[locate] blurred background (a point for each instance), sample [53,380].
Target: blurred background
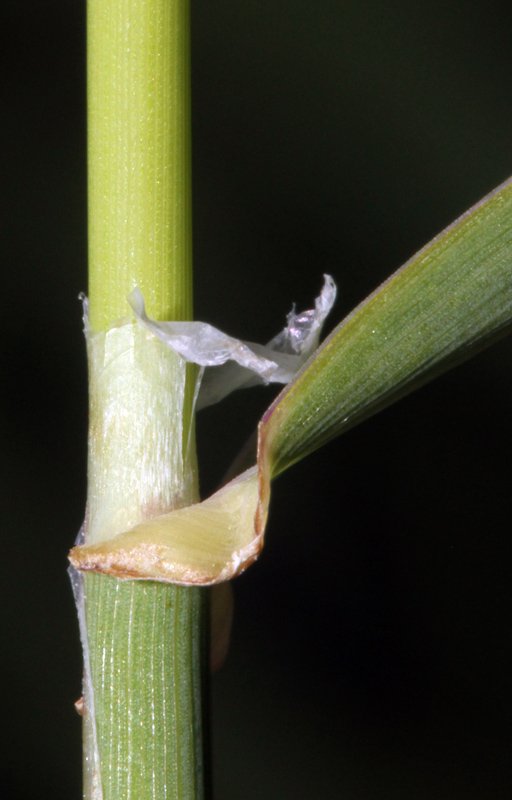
[371,650]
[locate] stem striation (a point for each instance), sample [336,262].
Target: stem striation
[144,641]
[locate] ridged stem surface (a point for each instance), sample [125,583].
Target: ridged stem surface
[143,737]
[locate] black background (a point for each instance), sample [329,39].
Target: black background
[371,648]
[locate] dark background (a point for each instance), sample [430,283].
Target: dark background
[371,648]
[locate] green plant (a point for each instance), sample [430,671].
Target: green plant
[452,298]
[139,235]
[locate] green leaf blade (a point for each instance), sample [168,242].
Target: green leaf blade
[449,300]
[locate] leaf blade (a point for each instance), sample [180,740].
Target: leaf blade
[450,299]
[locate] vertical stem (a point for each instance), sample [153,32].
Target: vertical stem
[139,157]
[143,737]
